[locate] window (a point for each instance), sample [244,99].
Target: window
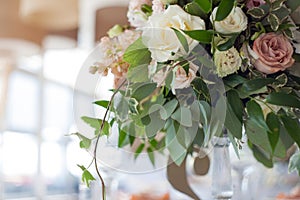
[36,160]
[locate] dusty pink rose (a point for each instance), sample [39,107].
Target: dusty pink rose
[254,3]
[274,53]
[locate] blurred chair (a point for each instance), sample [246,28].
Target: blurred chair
[97,16]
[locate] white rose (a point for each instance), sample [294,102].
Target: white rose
[227,62]
[181,78]
[162,40]
[235,22]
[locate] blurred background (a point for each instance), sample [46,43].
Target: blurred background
[42,47]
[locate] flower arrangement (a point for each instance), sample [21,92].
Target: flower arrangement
[187,69]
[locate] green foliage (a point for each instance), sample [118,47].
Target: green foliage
[283,99]
[85,142]
[137,54]
[295,163]
[203,36]
[86,177]
[225,7]
[205,5]
[97,124]
[182,39]
[228,44]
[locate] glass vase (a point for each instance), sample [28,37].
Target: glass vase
[221,172]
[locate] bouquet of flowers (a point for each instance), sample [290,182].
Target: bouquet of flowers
[185,70]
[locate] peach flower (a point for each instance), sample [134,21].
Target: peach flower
[274,53]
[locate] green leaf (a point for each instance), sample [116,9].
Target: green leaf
[169,108]
[85,142]
[256,12]
[277,4]
[102,103]
[256,84]
[274,126]
[258,135]
[87,177]
[176,150]
[224,9]
[262,157]
[139,150]
[121,107]
[155,124]
[292,126]
[122,138]
[205,5]
[228,44]
[203,36]
[253,86]
[255,113]
[151,155]
[137,54]
[294,163]
[138,74]
[234,114]
[143,91]
[96,124]
[234,144]
[183,116]
[182,40]
[283,99]
[194,9]
[292,4]
[234,80]
[282,13]
[274,21]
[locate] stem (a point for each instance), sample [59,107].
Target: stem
[98,137]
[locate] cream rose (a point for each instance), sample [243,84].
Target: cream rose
[162,40]
[235,22]
[227,62]
[273,52]
[181,78]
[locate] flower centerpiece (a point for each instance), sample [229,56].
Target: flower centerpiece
[187,69]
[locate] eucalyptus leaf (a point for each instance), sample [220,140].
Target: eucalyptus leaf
[183,116]
[168,109]
[143,91]
[176,150]
[294,164]
[138,73]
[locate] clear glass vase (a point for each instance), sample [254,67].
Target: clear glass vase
[221,172]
